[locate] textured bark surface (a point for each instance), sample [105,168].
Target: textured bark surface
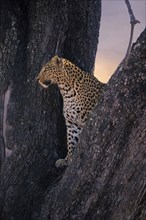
[106,179]
[31,119]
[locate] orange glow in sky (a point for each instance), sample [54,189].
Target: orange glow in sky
[114,34]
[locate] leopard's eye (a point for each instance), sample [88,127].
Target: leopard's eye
[47,82]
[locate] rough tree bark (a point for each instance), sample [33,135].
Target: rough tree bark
[106,180]
[32,127]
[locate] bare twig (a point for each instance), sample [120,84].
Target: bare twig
[133,22]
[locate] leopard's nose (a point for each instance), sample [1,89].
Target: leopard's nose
[47,82]
[37,78]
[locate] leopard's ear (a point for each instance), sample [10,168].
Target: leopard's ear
[58,61]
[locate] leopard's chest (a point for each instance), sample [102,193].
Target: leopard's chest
[72,107]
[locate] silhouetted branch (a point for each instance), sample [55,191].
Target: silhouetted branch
[133,22]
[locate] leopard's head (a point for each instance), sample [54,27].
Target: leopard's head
[52,72]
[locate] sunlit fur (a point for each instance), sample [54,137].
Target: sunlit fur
[80,93]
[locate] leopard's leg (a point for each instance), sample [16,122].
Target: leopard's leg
[73,132]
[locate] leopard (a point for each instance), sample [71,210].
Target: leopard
[80,91]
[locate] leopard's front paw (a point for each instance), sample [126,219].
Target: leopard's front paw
[61,163]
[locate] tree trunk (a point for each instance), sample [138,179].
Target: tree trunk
[32,127]
[106,180]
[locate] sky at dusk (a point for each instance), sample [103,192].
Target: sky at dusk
[114,34]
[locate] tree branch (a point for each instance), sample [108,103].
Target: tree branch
[133,22]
